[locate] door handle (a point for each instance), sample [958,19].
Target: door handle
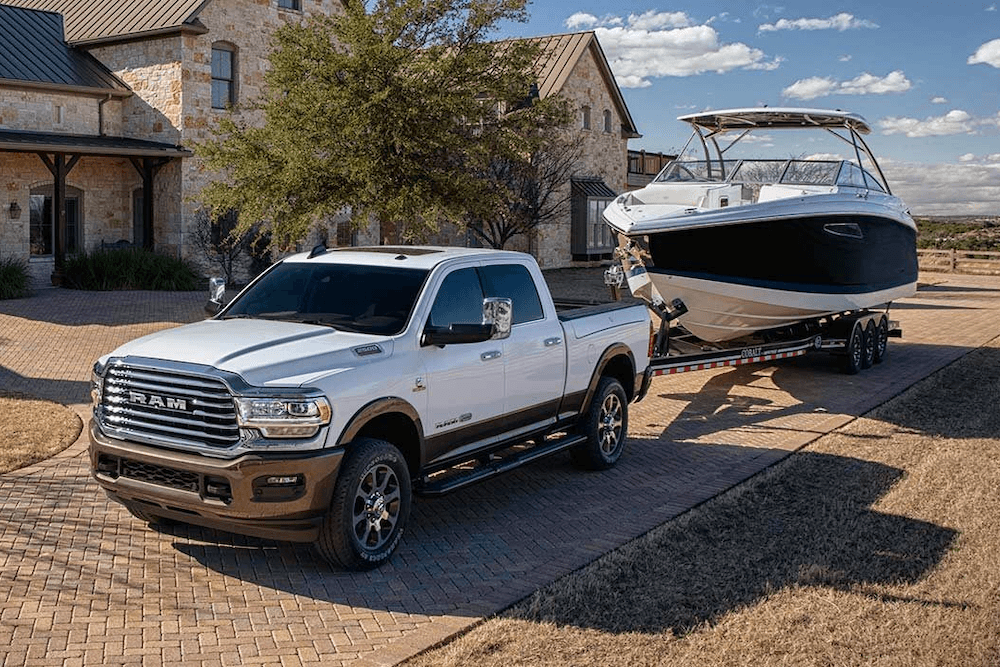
[492,354]
[550,342]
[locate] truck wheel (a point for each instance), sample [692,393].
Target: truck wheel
[605,424]
[871,341]
[855,350]
[371,502]
[881,340]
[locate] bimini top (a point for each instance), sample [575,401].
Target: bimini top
[776,117]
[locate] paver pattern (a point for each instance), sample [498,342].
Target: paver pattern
[86,584]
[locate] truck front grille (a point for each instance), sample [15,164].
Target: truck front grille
[168,407]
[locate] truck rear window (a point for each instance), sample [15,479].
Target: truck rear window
[364,299]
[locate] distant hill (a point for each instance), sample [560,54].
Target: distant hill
[979,232]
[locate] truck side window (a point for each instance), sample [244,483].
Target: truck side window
[512,281]
[459,300]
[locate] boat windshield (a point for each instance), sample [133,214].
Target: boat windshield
[789,172]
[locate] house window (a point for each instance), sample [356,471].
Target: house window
[591,236]
[586,117]
[291,4]
[607,121]
[223,75]
[42,220]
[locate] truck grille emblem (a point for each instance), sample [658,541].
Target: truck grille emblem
[158,401]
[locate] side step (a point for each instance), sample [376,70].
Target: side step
[452,481]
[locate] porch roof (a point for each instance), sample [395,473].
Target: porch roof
[20,141]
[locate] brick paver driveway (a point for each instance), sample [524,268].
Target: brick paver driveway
[85,583]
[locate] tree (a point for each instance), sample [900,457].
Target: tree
[377,109]
[531,182]
[226,250]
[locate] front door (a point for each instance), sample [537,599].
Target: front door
[464,382]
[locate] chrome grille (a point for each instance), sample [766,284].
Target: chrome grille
[168,407]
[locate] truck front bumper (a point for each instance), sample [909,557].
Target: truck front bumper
[281,496]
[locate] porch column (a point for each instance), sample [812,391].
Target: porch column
[59,166]
[148,168]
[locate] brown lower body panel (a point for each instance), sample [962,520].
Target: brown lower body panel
[276,496]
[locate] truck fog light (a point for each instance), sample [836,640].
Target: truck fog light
[279,488]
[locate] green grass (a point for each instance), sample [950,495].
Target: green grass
[13,278]
[129,269]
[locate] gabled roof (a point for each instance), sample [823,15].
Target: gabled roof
[560,54]
[97,21]
[34,54]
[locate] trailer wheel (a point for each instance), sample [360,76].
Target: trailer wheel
[871,341]
[881,339]
[855,350]
[370,506]
[605,424]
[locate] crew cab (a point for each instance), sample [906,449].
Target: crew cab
[339,382]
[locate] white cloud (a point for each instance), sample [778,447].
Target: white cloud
[988,53]
[863,84]
[968,157]
[991,8]
[842,21]
[654,44]
[845,58]
[581,20]
[939,100]
[955,121]
[945,189]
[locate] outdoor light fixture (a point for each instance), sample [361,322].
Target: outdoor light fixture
[15,211]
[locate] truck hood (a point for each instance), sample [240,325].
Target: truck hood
[262,352]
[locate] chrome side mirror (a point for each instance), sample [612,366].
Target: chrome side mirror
[216,295]
[499,312]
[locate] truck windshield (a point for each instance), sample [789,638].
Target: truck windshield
[364,299]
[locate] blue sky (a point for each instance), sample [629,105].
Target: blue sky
[926,76]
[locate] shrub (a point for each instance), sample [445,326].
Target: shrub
[129,269]
[13,278]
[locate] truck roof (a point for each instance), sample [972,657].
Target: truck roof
[417,257]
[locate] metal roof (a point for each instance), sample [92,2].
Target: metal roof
[560,54]
[592,187]
[33,53]
[777,117]
[94,21]
[19,141]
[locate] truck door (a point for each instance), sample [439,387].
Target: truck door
[535,352]
[464,382]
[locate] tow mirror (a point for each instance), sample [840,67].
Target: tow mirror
[216,295]
[499,312]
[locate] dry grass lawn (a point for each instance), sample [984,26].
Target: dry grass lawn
[876,545]
[33,430]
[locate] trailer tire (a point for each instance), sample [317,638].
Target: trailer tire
[855,351]
[882,339]
[871,341]
[605,426]
[369,509]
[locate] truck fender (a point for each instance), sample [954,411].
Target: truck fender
[631,387]
[412,450]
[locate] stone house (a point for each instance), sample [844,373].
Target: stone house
[102,100]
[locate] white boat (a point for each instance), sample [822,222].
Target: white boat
[750,245]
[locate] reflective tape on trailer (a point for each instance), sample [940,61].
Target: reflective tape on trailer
[673,370]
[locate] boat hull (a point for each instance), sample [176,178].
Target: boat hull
[738,279]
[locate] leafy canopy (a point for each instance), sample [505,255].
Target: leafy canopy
[379,108]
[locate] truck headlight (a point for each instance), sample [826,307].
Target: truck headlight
[281,417]
[97,383]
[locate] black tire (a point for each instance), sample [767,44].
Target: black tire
[606,426]
[855,350]
[369,509]
[871,341]
[881,340]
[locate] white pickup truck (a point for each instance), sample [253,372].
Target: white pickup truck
[339,382]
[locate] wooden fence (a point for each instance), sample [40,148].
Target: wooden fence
[979,262]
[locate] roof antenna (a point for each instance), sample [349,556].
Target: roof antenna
[317,250]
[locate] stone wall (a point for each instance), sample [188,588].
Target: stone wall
[45,111]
